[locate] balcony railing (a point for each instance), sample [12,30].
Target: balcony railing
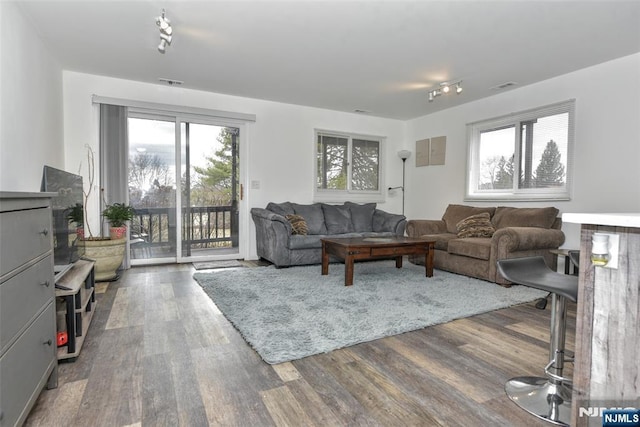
[202,227]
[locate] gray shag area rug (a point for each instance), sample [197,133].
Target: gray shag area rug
[287,314]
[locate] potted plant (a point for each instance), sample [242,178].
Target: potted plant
[76,214]
[117,215]
[106,252]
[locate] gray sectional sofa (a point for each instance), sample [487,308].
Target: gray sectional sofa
[277,242]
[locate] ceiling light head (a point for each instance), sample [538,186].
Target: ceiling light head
[163,23]
[165,32]
[162,47]
[445,88]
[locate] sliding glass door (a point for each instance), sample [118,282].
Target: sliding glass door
[152,189]
[209,189]
[184,185]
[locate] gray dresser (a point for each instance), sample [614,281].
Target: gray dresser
[27,310]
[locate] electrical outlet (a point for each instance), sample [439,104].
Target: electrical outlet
[255,185]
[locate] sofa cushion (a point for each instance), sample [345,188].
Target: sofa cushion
[473,247]
[298,224]
[305,242]
[456,213]
[283,209]
[315,241]
[361,216]
[313,215]
[377,234]
[478,225]
[337,219]
[442,240]
[524,217]
[384,221]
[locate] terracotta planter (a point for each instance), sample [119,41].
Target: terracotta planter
[108,254]
[118,232]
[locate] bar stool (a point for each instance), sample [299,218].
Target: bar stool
[547,398]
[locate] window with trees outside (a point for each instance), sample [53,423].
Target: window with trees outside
[522,156]
[347,167]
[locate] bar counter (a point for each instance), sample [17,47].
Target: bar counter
[607,362]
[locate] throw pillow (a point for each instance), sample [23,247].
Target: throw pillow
[313,215]
[478,225]
[456,213]
[298,224]
[280,208]
[361,216]
[337,219]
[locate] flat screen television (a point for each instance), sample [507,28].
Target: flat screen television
[68,187]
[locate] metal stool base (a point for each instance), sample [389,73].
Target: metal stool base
[542,398]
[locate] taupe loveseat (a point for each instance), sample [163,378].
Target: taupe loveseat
[506,232]
[278,242]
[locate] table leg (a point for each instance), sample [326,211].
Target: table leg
[325,261]
[398,262]
[348,271]
[428,261]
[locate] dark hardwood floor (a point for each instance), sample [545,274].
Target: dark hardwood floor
[159,353]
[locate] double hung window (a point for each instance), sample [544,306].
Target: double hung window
[523,156]
[347,167]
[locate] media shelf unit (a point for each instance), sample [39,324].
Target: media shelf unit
[76,303]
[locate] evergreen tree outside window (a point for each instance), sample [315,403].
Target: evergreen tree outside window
[347,167]
[523,156]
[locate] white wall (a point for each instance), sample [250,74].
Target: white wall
[280,148]
[280,142]
[31,128]
[607,142]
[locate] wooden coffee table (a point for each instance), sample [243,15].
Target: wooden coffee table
[367,248]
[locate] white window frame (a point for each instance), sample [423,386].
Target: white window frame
[337,196]
[474,130]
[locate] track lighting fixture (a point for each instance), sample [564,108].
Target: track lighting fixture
[445,88]
[165,31]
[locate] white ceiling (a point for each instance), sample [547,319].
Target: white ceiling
[378,56]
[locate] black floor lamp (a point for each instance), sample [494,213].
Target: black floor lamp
[404,155]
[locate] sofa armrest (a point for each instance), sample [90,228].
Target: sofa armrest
[385,221]
[261,214]
[273,232]
[420,227]
[516,239]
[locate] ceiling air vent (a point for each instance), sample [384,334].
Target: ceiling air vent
[170,82]
[504,86]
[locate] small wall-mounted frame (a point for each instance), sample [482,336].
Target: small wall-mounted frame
[438,150]
[431,151]
[422,152]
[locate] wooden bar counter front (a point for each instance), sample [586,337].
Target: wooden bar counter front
[368,248]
